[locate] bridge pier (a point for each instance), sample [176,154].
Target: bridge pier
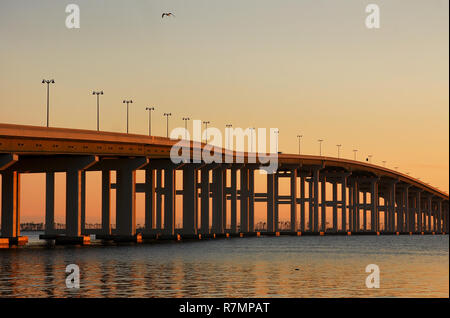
[271,202]
[302,203]
[10,204]
[344,203]
[251,200]
[205,200]
[374,225]
[218,199]
[190,212]
[244,200]
[106,202]
[233,199]
[150,200]
[49,203]
[293,199]
[323,214]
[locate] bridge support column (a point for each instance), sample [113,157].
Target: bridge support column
[106,202]
[204,201]
[159,192]
[364,210]
[310,205]
[344,203]
[302,204]
[419,212]
[244,200]
[271,202]
[10,204]
[391,190]
[83,202]
[293,204]
[335,207]
[218,194]
[73,203]
[429,211]
[408,212]
[316,199]
[49,203]
[323,214]
[439,215]
[150,200]
[190,213]
[126,196]
[276,206]
[251,200]
[233,199]
[351,205]
[374,205]
[169,201]
[356,214]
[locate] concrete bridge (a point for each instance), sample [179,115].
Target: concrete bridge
[367,191]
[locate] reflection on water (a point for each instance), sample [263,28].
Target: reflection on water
[329,266]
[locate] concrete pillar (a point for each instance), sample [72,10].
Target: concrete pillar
[374,205]
[419,212]
[344,203]
[407,209]
[251,200]
[49,203]
[244,200]
[205,201]
[365,211]
[293,200]
[356,214]
[316,199]
[150,199]
[10,204]
[335,207]
[323,216]
[126,202]
[83,202]
[429,210]
[392,200]
[218,193]
[169,201]
[233,197]
[311,205]
[302,204]
[271,202]
[159,199]
[190,216]
[73,202]
[106,202]
[276,207]
[351,204]
[439,215]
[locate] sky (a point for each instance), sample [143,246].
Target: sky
[307,67]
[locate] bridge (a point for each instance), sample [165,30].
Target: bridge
[365,198]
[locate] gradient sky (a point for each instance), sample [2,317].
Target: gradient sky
[306,67]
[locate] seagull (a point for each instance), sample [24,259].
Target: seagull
[169,14]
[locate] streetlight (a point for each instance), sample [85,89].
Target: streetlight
[167,121]
[185,126]
[48,82]
[206,130]
[339,150]
[98,107]
[299,144]
[320,147]
[355,151]
[228,133]
[127,102]
[150,109]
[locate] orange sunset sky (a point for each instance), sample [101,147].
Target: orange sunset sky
[306,67]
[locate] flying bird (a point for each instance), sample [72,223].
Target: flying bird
[169,14]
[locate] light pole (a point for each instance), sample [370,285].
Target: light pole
[127,102]
[355,151]
[339,150]
[167,123]
[299,143]
[185,126]
[48,82]
[150,109]
[206,130]
[320,147]
[228,133]
[98,107]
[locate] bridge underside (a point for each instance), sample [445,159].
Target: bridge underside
[360,201]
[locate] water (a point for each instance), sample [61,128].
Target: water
[328,266]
